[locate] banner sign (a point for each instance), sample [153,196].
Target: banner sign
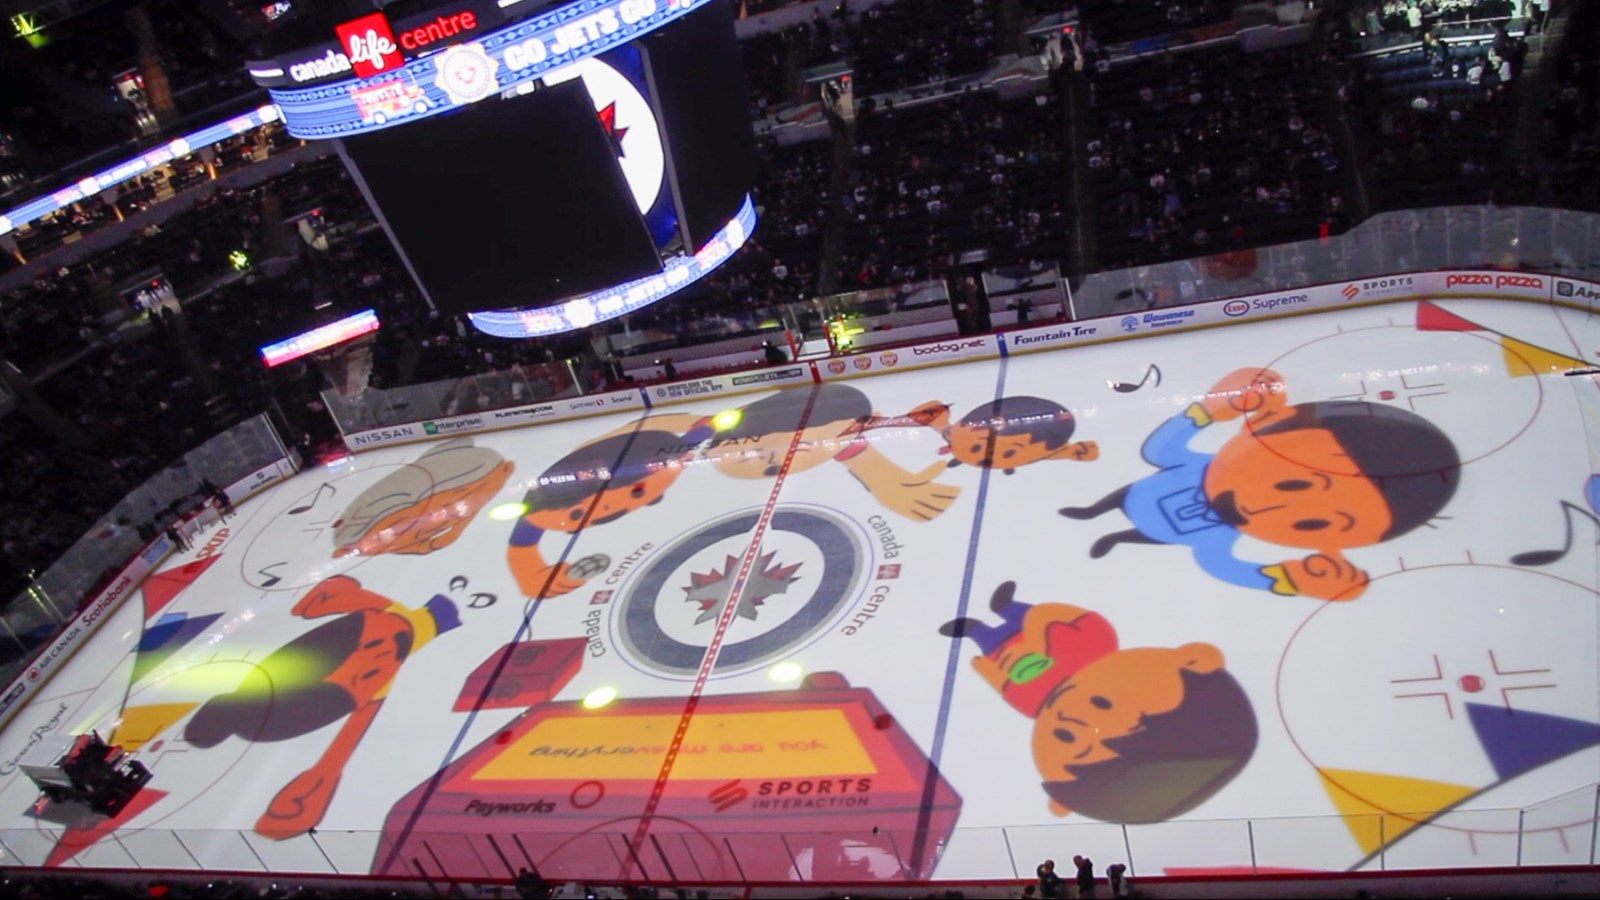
[721,385]
[388,92]
[78,632]
[875,361]
[547,411]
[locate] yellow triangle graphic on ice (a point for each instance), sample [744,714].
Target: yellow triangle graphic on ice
[142,724]
[1523,359]
[1379,809]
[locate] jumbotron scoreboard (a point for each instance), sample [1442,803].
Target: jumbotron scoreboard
[507,198]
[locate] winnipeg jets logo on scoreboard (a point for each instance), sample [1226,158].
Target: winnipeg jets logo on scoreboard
[643,159]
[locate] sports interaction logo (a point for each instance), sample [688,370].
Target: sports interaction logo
[1379,287]
[724,797]
[809,569]
[1496,281]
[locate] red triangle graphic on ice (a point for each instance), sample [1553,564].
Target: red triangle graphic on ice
[162,588]
[76,840]
[1431,317]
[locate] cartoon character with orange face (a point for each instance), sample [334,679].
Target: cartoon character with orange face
[424,505]
[599,482]
[341,670]
[634,466]
[1008,433]
[833,421]
[1324,476]
[1130,735]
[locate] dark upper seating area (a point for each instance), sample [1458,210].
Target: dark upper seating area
[935,180]
[1115,21]
[1442,106]
[61,97]
[1207,151]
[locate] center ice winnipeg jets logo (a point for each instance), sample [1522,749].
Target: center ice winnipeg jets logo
[811,567]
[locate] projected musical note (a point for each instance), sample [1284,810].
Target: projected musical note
[314,498]
[1546,557]
[271,579]
[1123,387]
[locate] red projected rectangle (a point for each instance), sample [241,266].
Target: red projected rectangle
[321,338]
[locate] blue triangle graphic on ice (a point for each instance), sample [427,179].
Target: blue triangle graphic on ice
[1519,741]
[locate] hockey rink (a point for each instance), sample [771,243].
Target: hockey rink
[1313,594]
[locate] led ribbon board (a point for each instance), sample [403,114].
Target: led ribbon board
[467,72]
[320,338]
[581,312]
[39,207]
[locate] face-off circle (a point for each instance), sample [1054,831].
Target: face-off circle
[1444,690]
[1398,366]
[810,568]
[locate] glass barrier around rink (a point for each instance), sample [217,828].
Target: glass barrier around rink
[1560,831]
[1552,241]
[34,617]
[372,407]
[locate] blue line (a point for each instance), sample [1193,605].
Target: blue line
[390,857]
[919,850]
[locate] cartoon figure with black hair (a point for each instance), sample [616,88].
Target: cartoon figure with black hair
[634,466]
[599,482]
[1132,735]
[837,419]
[340,670]
[1008,433]
[1324,476]
[424,505]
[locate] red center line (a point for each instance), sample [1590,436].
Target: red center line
[709,661]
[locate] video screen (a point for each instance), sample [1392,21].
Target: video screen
[509,204]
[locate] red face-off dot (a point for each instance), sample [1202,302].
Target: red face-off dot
[1470,683]
[1386,395]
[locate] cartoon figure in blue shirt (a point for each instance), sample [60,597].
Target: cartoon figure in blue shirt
[1324,476]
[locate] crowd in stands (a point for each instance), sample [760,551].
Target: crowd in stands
[1442,107]
[145,385]
[1210,151]
[1117,21]
[62,97]
[1185,153]
[936,180]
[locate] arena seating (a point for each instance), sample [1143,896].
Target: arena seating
[1209,150]
[970,173]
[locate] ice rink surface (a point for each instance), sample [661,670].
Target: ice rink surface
[1309,594]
